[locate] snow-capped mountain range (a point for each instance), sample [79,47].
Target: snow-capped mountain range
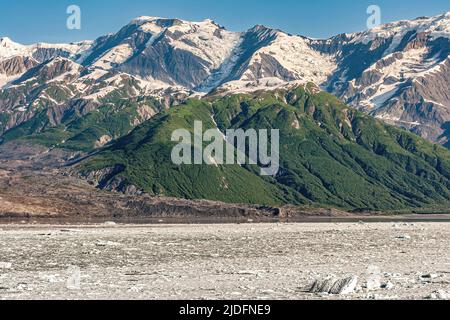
[399,72]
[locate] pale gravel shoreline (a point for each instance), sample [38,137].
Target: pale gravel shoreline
[222,261]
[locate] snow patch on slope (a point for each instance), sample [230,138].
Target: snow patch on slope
[295,54]
[407,66]
[114,57]
[9,48]
[270,83]
[204,39]
[436,26]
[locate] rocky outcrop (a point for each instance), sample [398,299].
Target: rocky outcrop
[333,285]
[422,105]
[16,65]
[399,73]
[52,69]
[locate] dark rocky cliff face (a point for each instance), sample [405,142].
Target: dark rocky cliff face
[16,65]
[48,71]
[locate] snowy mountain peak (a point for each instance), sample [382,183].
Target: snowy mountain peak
[435,27]
[9,48]
[262,29]
[143,19]
[158,24]
[5,41]
[210,21]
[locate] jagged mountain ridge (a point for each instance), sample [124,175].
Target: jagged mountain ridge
[398,72]
[330,155]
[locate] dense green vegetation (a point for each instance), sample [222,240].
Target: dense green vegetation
[145,156]
[80,130]
[331,155]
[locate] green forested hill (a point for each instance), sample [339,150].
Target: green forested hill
[330,155]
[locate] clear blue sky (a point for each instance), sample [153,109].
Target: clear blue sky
[29,21]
